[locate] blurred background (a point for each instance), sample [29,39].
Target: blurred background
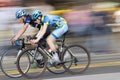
[92,23]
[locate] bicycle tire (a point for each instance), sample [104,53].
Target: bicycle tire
[82,56]
[34,72]
[7,63]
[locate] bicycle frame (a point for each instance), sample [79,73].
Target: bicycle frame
[45,52]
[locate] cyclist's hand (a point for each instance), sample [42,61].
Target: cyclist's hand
[13,40]
[33,41]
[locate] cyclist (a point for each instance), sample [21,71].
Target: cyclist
[26,19]
[55,21]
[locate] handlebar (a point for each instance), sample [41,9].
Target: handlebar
[21,42]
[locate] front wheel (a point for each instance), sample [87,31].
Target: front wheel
[33,59]
[80,59]
[7,62]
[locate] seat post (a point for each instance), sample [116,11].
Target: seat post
[64,36]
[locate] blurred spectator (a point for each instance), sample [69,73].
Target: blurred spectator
[79,19]
[99,27]
[117,16]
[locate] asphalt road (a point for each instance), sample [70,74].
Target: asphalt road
[101,65]
[92,73]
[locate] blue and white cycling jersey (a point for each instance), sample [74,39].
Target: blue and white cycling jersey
[53,20]
[57,22]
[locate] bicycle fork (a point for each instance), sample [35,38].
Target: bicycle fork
[19,52]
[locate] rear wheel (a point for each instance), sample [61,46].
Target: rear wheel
[80,59]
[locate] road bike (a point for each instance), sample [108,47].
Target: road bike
[74,58]
[10,55]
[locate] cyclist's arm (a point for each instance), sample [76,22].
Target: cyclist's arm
[22,30]
[42,31]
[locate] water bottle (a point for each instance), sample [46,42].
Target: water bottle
[49,50]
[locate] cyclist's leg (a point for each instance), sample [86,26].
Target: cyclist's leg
[51,40]
[53,67]
[56,34]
